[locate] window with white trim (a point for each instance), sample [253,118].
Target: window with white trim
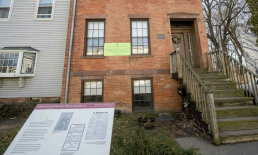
[5,9]
[45,9]
[16,63]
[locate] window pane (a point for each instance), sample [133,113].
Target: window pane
[95,33]
[137,103]
[139,32]
[145,32]
[95,42]
[142,83]
[45,2]
[142,90]
[148,104]
[93,84]
[101,51]
[98,98]
[139,24]
[87,85]
[133,24]
[145,49]
[99,84]
[95,51]
[145,41]
[93,91]
[96,25]
[86,99]
[101,41]
[28,63]
[148,82]
[86,91]
[90,33]
[89,42]
[89,50]
[136,90]
[101,33]
[134,41]
[101,25]
[140,49]
[142,103]
[134,33]
[148,89]
[99,91]
[145,24]
[140,41]
[4,12]
[136,83]
[5,3]
[135,51]
[45,11]
[90,25]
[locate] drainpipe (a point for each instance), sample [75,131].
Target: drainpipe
[70,53]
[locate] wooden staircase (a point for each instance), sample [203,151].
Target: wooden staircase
[225,93]
[237,117]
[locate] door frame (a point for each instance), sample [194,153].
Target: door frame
[152,95]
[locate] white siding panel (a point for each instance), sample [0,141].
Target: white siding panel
[49,37]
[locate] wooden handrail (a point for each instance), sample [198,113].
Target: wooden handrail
[243,77]
[201,95]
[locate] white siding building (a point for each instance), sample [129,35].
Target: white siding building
[250,51]
[32,47]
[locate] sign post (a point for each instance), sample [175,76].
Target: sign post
[66,129]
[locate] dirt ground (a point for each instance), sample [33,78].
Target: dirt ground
[10,124]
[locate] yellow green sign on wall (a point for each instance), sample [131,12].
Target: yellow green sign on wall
[117,49]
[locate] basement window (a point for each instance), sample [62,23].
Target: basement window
[18,61]
[5,9]
[93,91]
[45,10]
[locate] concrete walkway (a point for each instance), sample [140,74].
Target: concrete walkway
[206,148]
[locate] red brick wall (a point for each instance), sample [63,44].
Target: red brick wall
[118,87]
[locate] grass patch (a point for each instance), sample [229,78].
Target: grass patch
[6,139]
[129,139]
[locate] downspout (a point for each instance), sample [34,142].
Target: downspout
[70,53]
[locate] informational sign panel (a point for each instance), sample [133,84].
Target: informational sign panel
[66,129]
[117,49]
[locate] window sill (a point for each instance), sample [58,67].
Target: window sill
[141,56]
[4,19]
[42,19]
[15,75]
[93,57]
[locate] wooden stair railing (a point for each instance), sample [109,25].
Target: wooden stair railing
[199,92]
[238,73]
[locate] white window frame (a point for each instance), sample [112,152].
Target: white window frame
[10,13]
[19,64]
[52,13]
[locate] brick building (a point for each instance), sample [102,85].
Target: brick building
[140,80]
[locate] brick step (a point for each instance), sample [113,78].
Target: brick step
[233,101]
[228,93]
[238,136]
[238,111]
[240,123]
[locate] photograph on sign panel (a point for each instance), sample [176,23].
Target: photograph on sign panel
[64,121]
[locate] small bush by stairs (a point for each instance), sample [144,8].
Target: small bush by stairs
[237,116]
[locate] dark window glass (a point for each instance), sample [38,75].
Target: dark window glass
[95,38]
[140,37]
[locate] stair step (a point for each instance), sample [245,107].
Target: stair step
[238,136]
[197,70]
[215,80]
[238,111]
[210,74]
[233,101]
[240,123]
[221,86]
[228,93]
